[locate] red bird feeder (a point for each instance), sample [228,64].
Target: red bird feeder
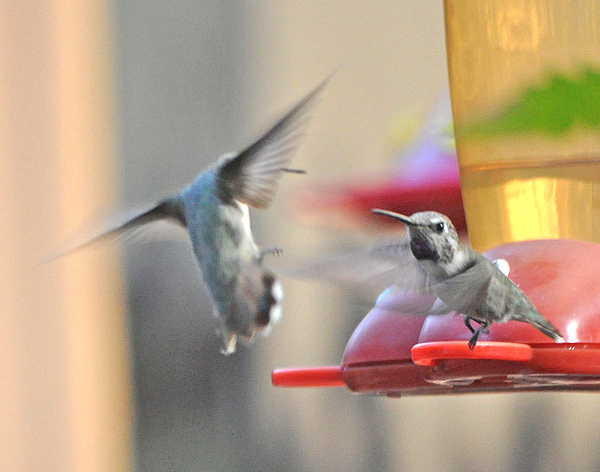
[438,191]
[395,354]
[427,176]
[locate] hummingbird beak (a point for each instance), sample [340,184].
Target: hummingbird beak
[405,219]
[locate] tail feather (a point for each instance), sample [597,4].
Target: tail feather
[170,209]
[269,303]
[543,324]
[254,308]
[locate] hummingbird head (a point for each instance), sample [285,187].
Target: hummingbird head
[432,235]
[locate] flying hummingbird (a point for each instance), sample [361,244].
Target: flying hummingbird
[214,209]
[461,278]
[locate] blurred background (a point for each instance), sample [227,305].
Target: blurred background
[108,358]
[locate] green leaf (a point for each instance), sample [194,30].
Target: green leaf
[559,106]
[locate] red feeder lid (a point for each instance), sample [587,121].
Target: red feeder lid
[428,178]
[353,202]
[430,354]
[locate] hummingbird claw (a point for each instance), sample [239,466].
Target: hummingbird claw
[473,340]
[275,251]
[482,329]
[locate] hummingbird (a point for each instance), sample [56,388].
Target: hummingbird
[214,209]
[462,279]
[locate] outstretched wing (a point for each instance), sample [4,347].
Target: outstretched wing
[169,209]
[380,266]
[459,293]
[251,176]
[402,301]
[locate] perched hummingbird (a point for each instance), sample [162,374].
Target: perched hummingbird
[461,278]
[214,209]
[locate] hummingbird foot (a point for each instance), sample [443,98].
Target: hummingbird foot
[468,324]
[482,329]
[275,251]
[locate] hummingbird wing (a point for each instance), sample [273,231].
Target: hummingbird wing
[399,300]
[380,266]
[458,293]
[251,176]
[390,268]
[170,209]
[466,289]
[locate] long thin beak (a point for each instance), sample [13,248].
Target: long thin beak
[398,216]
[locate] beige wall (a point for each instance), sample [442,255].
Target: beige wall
[64,388]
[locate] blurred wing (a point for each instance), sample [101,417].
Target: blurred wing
[404,302]
[458,293]
[127,224]
[439,308]
[380,267]
[251,176]
[467,289]
[400,301]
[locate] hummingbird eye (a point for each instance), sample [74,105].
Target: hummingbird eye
[439,227]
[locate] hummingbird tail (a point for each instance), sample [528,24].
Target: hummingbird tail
[541,323]
[269,303]
[170,209]
[254,307]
